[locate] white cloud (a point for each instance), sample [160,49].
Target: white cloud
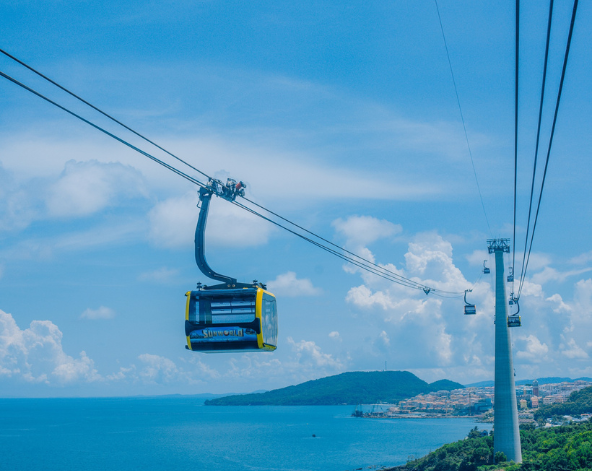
[550,274]
[157,369]
[160,275]
[100,313]
[573,350]
[309,354]
[36,355]
[173,221]
[582,259]
[335,335]
[533,349]
[84,188]
[360,231]
[561,306]
[288,285]
[384,338]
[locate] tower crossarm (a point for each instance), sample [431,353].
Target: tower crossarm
[498,245]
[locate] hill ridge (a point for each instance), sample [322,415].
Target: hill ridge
[350,388]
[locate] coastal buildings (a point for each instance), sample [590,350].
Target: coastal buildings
[472,401]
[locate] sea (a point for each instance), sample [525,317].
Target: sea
[179,433]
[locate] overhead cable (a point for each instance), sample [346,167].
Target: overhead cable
[517,76]
[99,110]
[565,60]
[361,263]
[131,146]
[536,152]
[462,118]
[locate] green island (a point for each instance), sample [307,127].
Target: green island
[347,388]
[544,448]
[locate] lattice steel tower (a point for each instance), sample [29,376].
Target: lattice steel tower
[506,436]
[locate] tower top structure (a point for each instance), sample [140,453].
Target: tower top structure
[498,245]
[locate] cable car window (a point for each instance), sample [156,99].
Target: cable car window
[269,320]
[229,309]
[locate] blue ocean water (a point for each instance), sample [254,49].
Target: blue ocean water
[178,433]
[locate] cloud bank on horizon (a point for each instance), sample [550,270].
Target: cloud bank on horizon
[427,335]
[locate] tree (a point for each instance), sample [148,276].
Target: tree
[500,457]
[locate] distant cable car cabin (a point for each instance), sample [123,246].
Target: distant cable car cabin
[486,270]
[514,320]
[230,316]
[470,309]
[511,275]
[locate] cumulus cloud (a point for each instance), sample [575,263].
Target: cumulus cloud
[533,349]
[173,221]
[334,335]
[581,259]
[288,284]
[84,188]
[157,369]
[550,274]
[100,313]
[360,231]
[36,355]
[160,275]
[573,350]
[309,354]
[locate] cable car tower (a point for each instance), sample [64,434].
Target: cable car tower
[506,436]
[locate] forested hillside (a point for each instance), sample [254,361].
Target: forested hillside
[566,448]
[346,388]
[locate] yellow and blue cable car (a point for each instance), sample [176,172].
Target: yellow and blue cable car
[231,316]
[231,319]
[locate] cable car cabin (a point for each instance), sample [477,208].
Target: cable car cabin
[470,309]
[226,320]
[486,270]
[514,321]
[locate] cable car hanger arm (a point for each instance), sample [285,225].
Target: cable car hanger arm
[228,192]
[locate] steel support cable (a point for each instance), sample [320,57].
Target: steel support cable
[536,152]
[517,76]
[567,48]
[100,111]
[462,117]
[181,160]
[399,280]
[145,154]
[390,272]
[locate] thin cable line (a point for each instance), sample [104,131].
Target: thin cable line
[536,153]
[100,111]
[462,118]
[567,48]
[146,154]
[517,76]
[323,239]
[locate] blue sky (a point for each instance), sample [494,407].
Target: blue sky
[340,116]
